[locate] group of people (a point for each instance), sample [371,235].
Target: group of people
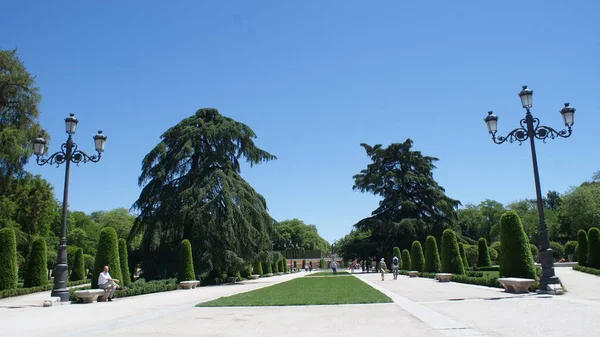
[383,267]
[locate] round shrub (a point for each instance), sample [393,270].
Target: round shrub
[472,255]
[493,254]
[405,259]
[186,262]
[124,261]
[432,256]
[515,256]
[570,248]
[582,247]
[8,259]
[593,257]
[496,246]
[451,260]
[417,259]
[107,254]
[558,251]
[258,270]
[78,268]
[484,259]
[397,253]
[463,254]
[37,269]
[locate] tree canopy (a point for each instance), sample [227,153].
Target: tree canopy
[295,233]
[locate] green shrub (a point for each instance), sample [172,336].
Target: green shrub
[89,261]
[275,267]
[492,268]
[186,262]
[432,256]
[451,260]
[593,256]
[515,256]
[570,248]
[246,272]
[535,251]
[78,268]
[8,259]
[397,253]
[484,259]
[582,247]
[463,254]
[322,264]
[405,259]
[139,287]
[258,269]
[37,268]
[71,252]
[124,261]
[493,254]
[266,268]
[496,246]
[472,255]
[47,287]
[107,254]
[558,251]
[417,259]
[310,264]
[588,270]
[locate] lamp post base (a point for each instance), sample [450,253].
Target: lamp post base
[548,281]
[60,283]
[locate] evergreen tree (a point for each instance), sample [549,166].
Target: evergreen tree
[451,259]
[398,254]
[593,256]
[78,266]
[406,259]
[483,259]
[432,256]
[463,254]
[258,270]
[8,259]
[186,262]
[582,247]
[417,260]
[37,272]
[107,254]
[515,259]
[124,262]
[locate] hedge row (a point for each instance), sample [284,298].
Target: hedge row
[139,287]
[587,270]
[27,291]
[489,268]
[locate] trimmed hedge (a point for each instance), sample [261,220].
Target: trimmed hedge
[405,259]
[451,260]
[322,264]
[570,249]
[275,267]
[593,256]
[124,261]
[488,282]
[397,253]
[587,270]
[27,291]
[483,254]
[139,287]
[295,266]
[582,247]
[266,266]
[472,255]
[463,254]
[186,262]
[8,259]
[107,254]
[258,270]
[496,246]
[417,259]
[37,268]
[432,256]
[493,254]
[516,259]
[489,268]
[78,268]
[558,251]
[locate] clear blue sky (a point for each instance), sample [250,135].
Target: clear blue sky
[314,79]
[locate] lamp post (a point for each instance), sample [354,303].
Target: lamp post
[68,154]
[531,129]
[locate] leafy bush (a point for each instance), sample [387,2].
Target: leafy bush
[582,247]
[89,262]
[417,260]
[78,268]
[558,251]
[124,261]
[246,272]
[186,262]
[432,256]
[275,267]
[267,269]
[593,256]
[258,269]
[405,259]
[534,251]
[496,246]
[570,248]
[472,254]
[27,291]
[451,260]
[37,272]
[397,253]
[8,259]
[588,270]
[515,256]
[484,259]
[474,273]
[463,254]
[491,268]
[295,266]
[139,287]
[107,254]
[493,254]
[322,264]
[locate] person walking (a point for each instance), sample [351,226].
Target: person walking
[382,268]
[395,267]
[334,267]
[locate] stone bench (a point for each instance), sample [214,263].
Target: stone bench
[443,277]
[280,273]
[413,273]
[188,284]
[516,285]
[255,276]
[231,279]
[91,295]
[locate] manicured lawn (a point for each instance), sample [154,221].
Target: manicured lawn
[305,291]
[327,273]
[491,274]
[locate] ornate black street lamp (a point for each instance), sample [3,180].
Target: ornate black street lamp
[68,154]
[531,129]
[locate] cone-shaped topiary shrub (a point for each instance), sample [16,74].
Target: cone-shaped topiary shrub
[483,259]
[405,259]
[463,254]
[186,262]
[275,267]
[593,256]
[432,256]
[8,259]
[417,260]
[37,268]
[451,259]
[322,264]
[78,268]
[515,259]
[124,261]
[258,269]
[582,247]
[496,246]
[107,254]
[397,253]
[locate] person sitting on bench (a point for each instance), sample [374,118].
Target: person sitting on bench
[107,282]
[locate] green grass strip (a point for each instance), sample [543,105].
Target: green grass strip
[305,291]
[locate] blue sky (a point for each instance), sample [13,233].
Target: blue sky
[314,79]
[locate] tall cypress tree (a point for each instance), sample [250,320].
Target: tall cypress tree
[37,266]
[124,261]
[432,256]
[483,254]
[451,259]
[8,259]
[107,254]
[78,268]
[582,247]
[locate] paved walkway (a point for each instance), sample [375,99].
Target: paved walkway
[578,284]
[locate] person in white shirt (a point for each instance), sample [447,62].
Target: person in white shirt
[107,282]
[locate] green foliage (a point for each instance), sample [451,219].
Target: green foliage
[463,254]
[405,259]
[295,266]
[107,254]
[124,262]
[322,264]
[193,188]
[303,264]
[139,287]
[582,269]
[275,267]
[300,236]
[258,269]
[515,256]
[451,259]
[484,259]
[26,291]
[593,257]
[582,247]
[89,261]
[570,248]
[186,262]
[493,254]
[78,267]
[266,266]
[37,272]
[558,251]
[283,265]
[472,253]
[432,256]
[579,208]
[8,259]
[417,260]
[119,218]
